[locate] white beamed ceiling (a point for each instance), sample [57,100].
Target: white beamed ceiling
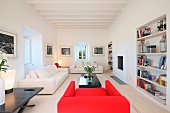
[79,13]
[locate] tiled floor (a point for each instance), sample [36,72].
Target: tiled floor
[139,103]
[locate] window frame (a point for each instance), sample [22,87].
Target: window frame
[77,51]
[29,51]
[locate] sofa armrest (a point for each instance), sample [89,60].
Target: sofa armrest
[110,89]
[72,67]
[49,84]
[94,104]
[70,91]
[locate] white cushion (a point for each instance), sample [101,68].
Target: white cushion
[50,70]
[28,76]
[60,74]
[33,74]
[42,73]
[54,68]
[86,63]
[79,69]
[96,69]
[78,64]
[95,65]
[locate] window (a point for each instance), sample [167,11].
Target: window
[82,52]
[27,51]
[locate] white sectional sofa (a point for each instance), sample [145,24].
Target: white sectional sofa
[78,67]
[49,77]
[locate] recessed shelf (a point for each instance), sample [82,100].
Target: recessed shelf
[153,59]
[152,35]
[110,57]
[151,96]
[151,54]
[152,82]
[151,68]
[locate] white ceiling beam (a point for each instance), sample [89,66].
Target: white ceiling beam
[79,14]
[78,17]
[98,23]
[79,26]
[79,21]
[85,7]
[79,11]
[84,24]
[77,1]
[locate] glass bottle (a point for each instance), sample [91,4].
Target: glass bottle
[163,44]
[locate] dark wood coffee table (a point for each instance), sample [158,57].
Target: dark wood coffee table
[84,82]
[18,99]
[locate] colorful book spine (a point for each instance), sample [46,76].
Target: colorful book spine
[159,63]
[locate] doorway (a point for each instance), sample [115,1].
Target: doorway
[33,53]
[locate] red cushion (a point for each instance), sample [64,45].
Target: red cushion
[91,92]
[111,90]
[95,104]
[57,65]
[70,90]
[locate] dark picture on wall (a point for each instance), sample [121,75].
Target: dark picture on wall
[98,51]
[49,50]
[66,51]
[8,43]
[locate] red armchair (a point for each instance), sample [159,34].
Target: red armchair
[93,100]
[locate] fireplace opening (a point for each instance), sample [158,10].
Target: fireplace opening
[120,62]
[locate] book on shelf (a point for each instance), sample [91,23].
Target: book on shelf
[159,63]
[163,80]
[143,84]
[156,78]
[138,34]
[162,63]
[162,97]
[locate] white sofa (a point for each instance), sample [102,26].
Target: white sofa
[49,77]
[78,67]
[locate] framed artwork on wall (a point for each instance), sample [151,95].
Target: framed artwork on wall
[8,43]
[49,49]
[98,50]
[66,51]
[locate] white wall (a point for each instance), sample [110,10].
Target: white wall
[123,34]
[71,36]
[14,15]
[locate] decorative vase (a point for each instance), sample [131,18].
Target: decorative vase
[2,91]
[9,78]
[89,76]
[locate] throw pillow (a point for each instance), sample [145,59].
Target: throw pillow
[55,69]
[33,75]
[50,70]
[28,76]
[79,64]
[42,73]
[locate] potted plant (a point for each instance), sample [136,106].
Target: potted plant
[89,70]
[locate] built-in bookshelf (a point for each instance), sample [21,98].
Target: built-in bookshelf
[110,57]
[151,79]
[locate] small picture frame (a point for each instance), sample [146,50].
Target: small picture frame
[66,51]
[8,43]
[98,50]
[49,49]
